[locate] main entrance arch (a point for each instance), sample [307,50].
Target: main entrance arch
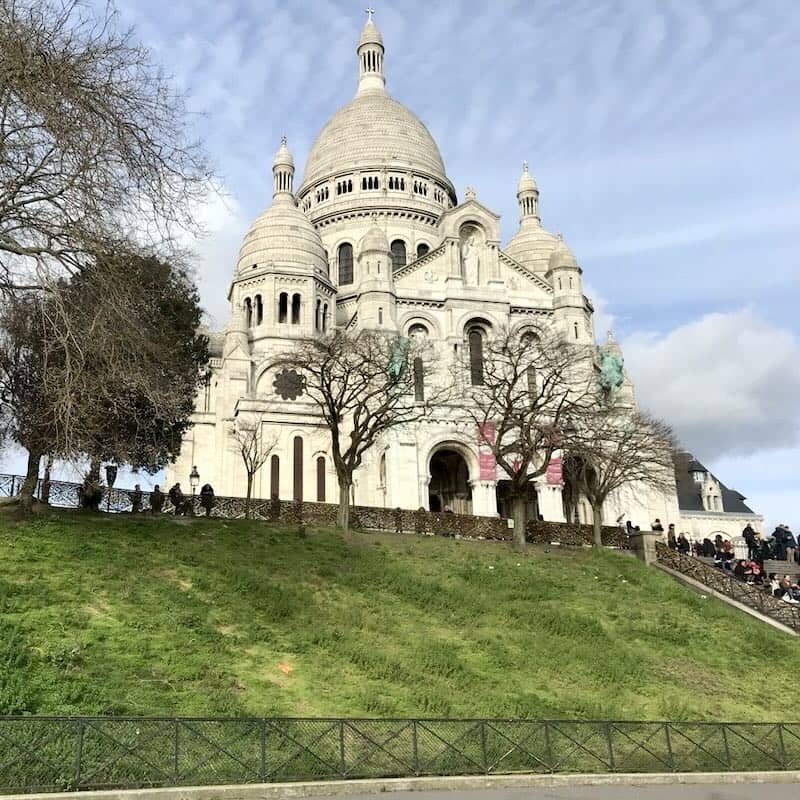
[449,486]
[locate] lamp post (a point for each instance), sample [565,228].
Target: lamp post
[194,480]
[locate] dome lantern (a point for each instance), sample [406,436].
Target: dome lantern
[527,195]
[370,57]
[283,172]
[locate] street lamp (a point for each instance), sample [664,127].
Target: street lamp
[194,480]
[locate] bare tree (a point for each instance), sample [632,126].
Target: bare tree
[364,384]
[615,447]
[247,435]
[94,142]
[528,386]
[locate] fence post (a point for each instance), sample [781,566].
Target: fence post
[262,767]
[484,761]
[610,748]
[13,485]
[549,746]
[342,765]
[414,746]
[727,749]
[783,746]
[669,747]
[176,753]
[78,754]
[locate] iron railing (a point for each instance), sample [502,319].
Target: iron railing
[751,595]
[73,753]
[63,494]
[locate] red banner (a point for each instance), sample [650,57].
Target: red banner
[554,474]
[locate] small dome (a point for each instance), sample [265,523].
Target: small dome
[283,158]
[370,34]
[282,236]
[562,256]
[374,240]
[526,181]
[532,245]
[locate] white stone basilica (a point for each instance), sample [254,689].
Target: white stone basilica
[375,237]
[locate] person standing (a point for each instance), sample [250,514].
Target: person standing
[156,500]
[136,499]
[791,544]
[207,498]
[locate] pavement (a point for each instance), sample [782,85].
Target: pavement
[751,791]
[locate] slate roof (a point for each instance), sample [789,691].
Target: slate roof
[689,498]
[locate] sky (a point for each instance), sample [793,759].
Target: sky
[663,135]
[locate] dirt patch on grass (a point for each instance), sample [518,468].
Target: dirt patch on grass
[228,630]
[173,575]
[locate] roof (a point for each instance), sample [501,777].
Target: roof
[689,497]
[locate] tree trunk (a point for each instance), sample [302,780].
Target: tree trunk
[519,513]
[249,494]
[597,523]
[28,488]
[343,513]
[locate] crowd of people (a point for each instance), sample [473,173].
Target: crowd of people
[181,504]
[781,545]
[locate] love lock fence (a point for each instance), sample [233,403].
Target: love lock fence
[58,753]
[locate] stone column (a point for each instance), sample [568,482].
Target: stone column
[643,543]
[549,499]
[484,498]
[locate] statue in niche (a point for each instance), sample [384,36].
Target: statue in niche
[470,258]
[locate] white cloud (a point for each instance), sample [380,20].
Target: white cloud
[729,383]
[216,253]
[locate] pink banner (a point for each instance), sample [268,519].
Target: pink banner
[554,474]
[486,462]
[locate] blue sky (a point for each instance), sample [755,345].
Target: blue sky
[663,135]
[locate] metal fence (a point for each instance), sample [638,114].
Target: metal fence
[63,494]
[59,753]
[753,596]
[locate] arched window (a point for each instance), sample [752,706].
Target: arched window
[575,328]
[398,248]
[318,316]
[418,332]
[274,477]
[295,309]
[298,468]
[422,250]
[345,264]
[349,186]
[476,356]
[259,310]
[320,479]
[248,312]
[419,380]
[324,317]
[283,307]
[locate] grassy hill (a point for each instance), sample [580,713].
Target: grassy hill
[141,616]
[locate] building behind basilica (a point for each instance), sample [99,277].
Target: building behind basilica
[375,238]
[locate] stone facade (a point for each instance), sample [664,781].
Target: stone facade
[376,238]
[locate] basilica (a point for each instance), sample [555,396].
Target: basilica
[376,237]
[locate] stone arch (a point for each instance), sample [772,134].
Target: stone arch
[422,318]
[452,468]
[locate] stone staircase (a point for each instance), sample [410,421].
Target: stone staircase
[725,585]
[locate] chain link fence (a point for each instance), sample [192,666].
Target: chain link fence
[58,753]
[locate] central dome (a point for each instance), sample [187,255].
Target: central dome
[373,130]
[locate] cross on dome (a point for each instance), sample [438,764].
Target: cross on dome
[370,12]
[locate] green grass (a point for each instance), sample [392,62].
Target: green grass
[137,616]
